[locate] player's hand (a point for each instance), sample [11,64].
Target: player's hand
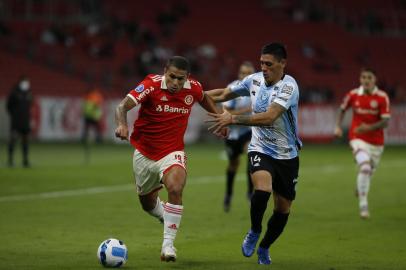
[223,133]
[362,128]
[338,132]
[220,121]
[122,132]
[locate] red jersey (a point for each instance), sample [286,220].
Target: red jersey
[163,116]
[368,109]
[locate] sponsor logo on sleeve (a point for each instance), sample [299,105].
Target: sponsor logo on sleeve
[139,88]
[145,93]
[283,99]
[287,89]
[188,99]
[255,82]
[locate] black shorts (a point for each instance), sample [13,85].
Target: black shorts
[234,148]
[285,172]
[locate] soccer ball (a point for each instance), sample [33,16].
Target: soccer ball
[112,253]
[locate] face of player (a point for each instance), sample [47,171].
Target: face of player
[244,71]
[175,78]
[271,68]
[367,80]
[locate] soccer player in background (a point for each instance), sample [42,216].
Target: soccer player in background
[239,137]
[370,107]
[274,147]
[159,158]
[92,114]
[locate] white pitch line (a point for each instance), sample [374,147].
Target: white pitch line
[97,190]
[190,181]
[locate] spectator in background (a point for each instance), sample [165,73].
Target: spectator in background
[92,114]
[19,109]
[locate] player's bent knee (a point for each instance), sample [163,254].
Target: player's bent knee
[282,205]
[175,190]
[365,168]
[362,157]
[148,202]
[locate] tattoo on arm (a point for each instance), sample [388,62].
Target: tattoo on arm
[241,119]
[260,119]
[121,111]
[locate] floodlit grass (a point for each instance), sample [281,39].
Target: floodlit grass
[55,214]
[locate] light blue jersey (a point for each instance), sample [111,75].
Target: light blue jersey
[237,131]
[279,140]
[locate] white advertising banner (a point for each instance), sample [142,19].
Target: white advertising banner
[61,119]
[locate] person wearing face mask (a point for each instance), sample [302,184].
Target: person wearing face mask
[19,109]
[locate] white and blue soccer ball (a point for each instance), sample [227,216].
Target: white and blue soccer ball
[112,253]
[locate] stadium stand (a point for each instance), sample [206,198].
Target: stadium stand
[113,44]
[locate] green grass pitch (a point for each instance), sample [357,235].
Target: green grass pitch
[55,214]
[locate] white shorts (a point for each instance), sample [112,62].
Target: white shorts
[148,173]
[374,151]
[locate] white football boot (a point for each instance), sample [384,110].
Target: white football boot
[168,253]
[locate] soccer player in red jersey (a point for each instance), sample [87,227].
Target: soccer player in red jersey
[159,158]
[371,114]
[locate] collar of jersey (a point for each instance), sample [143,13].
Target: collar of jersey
[186,85]
[271,87]
[361,90]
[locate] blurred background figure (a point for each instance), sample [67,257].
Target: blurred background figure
[92,115]
[371,113]
[239,137]
[18,105]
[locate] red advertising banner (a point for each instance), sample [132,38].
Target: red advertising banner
[396,132]
[316,123]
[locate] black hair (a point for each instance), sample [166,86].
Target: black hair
[278,50]
[179,62]
[368,69]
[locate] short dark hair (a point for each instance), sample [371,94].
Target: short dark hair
[278,50]
[368,69]
[179,62]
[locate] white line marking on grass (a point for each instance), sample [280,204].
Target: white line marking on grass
[96,190]
[190,181]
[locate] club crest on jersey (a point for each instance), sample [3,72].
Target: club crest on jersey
[139,88]
[188,99]
[374,104]
[264,96]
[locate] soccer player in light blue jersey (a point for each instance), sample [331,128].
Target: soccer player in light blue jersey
[239,137]
[274,147]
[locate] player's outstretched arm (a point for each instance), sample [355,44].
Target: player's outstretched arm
[121,117]
[221,94]
[208,104]
[243,110]
[260,119]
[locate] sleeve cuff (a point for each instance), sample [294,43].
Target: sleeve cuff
[133,98]
[282,103]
